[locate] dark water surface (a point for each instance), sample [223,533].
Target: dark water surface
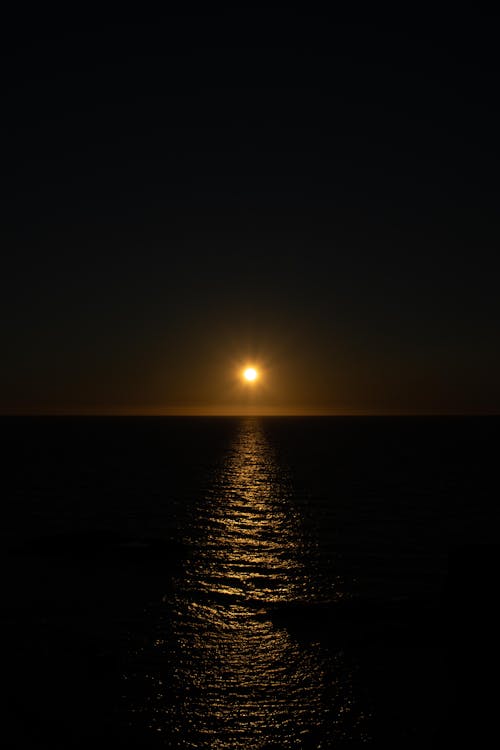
[235,583]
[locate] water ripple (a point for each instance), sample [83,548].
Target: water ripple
[222,674]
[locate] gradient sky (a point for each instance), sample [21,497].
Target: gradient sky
[183,195]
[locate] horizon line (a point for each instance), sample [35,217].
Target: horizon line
[209,413]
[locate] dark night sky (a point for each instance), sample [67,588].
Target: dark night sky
[181,195]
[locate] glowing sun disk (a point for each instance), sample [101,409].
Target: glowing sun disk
[250,374]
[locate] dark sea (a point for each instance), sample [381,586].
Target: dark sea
[246,583]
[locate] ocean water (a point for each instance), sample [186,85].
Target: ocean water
[235,583]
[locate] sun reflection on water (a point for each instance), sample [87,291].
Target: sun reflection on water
[248,540]
[231,678]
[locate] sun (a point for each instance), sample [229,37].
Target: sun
[250,374]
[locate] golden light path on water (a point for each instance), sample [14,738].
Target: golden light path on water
[233,679]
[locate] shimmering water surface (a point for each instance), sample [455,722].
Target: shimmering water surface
[234,583]
[230,678]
